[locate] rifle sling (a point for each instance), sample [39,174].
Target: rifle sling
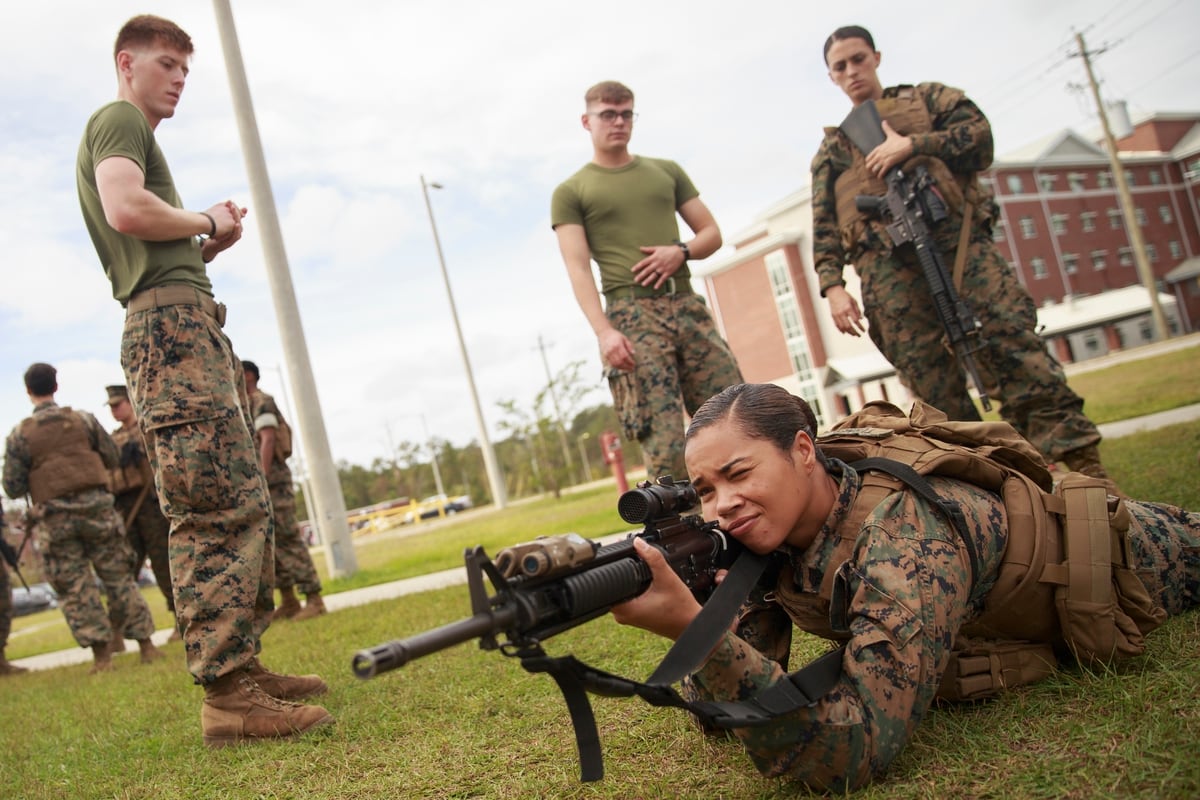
[964,241]
[575,678]
[915,481]
[691,649]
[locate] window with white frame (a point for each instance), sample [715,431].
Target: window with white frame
[1059,223]
[1155,177]
[1164,213]
[1125,257]
[1076,181]
[799,352]
[1046,182]
[1099,259]
[1037,266]
[1176,249]
[1104,179]
[1152,253]
[1015,184]
[1140,215]
[998,231]
[1070,263]
[1114,219]
[1088,221]
[1028,228]
[1129,177]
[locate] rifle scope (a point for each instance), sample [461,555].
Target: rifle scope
[653,500]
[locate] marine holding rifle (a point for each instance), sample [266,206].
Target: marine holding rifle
[939,127]
[900,581]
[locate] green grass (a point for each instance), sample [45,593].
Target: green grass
[1137,388]
[470,724]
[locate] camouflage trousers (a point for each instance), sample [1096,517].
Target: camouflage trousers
[147,535]
[1164,549]
[293,563]
[6,605]
[189,393]
[80,533]
[1015,364]
[681,362]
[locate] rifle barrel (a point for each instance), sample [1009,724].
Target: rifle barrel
[398,652]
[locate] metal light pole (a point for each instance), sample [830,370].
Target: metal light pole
[495,480]
[587,464]
[328,501]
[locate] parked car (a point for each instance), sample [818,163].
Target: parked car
[38,597]
[433,506]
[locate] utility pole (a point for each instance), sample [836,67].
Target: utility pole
[327,490]
[562,428]
[1136,242]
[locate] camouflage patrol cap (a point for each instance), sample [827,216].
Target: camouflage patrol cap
[116,393]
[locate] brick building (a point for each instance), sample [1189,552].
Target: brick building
[1060,227]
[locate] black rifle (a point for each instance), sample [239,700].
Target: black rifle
[556,583]
[910,207]
[13,558]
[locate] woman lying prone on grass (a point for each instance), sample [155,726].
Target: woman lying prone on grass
[899,598]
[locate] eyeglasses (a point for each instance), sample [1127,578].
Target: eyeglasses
[610,115]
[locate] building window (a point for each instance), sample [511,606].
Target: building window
[1114,219]
[1091,343]
[1155,177]
[1070,263]
[1046,182]
[1099,259]
[1129,177]
[1088,220]
[1176,249]
[1015,185]
[1125,257]
[1164,213]
[1140,215]
[1028,228]
[1075,181]
[1104,179]
[998,231]
[1152,253]
[799,352]
[1146,328]
[988,182]
[1038,266]
[1059,222]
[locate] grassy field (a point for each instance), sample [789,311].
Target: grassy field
[469,724]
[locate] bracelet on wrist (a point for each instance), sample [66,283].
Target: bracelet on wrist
[212,232]
[687,253]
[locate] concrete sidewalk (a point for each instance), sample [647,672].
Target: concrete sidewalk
[457,576]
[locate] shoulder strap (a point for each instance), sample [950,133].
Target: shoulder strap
[918,484]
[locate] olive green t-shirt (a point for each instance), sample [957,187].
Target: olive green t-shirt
[132,264]
[623,209]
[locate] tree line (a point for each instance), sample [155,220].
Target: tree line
[551,442]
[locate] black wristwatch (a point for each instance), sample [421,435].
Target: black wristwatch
[687,254]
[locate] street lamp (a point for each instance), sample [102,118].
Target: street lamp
[499,496]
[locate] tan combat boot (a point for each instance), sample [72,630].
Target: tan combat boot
[237,711]
[313,607]
[102,659]
[290,605]
[286,687]
[117,643]
[150,653]
[7,667]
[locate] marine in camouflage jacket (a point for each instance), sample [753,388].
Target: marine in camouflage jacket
[961,137]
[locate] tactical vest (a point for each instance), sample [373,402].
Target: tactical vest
[64,461]
[907,114]
[131,476]
[1064,582]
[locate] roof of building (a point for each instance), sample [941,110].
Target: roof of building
[1080,313]
[1190,268]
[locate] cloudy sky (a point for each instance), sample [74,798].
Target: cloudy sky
[356,100]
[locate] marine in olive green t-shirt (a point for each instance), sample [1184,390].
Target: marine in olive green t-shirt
[621,209]
[133,264]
